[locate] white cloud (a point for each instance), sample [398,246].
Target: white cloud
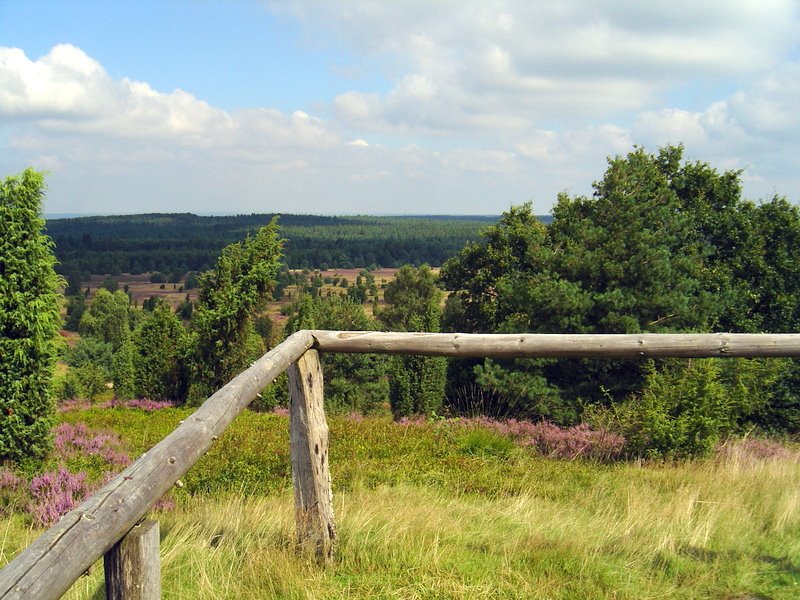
[489,104]
[488,66]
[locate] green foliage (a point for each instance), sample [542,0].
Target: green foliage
[67,386]
[191,281]
[123,373]
[782,413]
[110,284]
[484,443]
[159,356]
[76,305]
[353,382]
[170,243]
[661,246]
[91,380]
[412,296]
[185,309]
[29,320]
[687,407]
[230,297]
[91,350]
[416,383]
[107,318]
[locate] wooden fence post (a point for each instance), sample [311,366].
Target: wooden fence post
[132,566]
[313,498]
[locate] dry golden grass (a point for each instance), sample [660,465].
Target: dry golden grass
[715,529]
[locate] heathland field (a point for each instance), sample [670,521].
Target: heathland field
[445,509]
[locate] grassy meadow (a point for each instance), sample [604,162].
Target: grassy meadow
[448,509]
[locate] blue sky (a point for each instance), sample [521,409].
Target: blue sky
[342,107]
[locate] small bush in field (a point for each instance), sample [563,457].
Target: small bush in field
[486,443]
[55,493]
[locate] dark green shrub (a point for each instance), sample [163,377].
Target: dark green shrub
[110,284]
[91,380]
[687,407]
[158,356]
[416,383]
[123,373]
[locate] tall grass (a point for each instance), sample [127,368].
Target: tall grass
[428,511]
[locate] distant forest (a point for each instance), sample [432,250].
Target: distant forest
[178,243]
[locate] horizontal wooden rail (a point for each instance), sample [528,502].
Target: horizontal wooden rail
[530,345]
[49,566]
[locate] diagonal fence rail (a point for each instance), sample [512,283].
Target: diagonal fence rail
[54,561]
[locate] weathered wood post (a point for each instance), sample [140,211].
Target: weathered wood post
[132,566]
[313,498]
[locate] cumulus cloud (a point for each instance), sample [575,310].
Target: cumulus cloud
[66,91]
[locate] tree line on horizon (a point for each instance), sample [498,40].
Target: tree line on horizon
[663,245]
[181,243]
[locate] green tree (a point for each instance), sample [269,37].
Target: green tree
[159,349]
[632,258]
[230,297]
[91,379]
[416,383]
[110,284]
[91,350]
[107,318]
[122,371]
[353,382]
[76,305]
[29,320]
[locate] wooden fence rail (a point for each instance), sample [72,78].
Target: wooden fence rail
[526,345]
[55,560]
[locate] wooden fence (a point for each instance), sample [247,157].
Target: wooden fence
[109,523]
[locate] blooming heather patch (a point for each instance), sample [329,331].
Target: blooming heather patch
[280,411]
[74,404]
[13,490]
[755,449]
[70,440]
[9,480]
[554,441]
[146,404]
[55,493]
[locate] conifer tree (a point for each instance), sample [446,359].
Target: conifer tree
[231,295]
[416,383]
[29,320]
